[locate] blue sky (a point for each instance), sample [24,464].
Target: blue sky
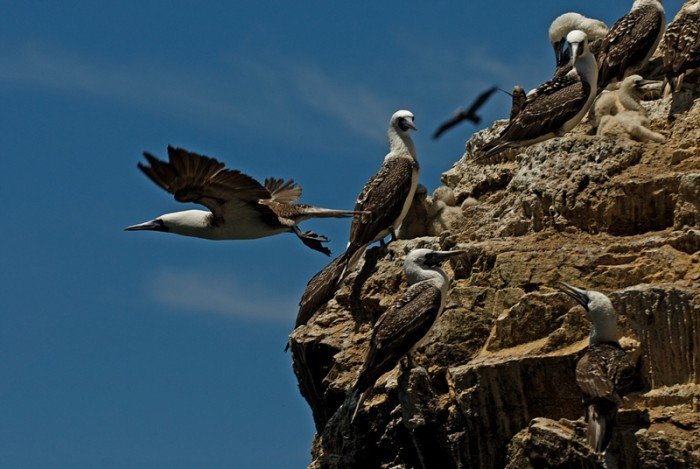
[148,350]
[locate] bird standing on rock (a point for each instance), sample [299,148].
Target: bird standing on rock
[239,206]
[400,329]
[605,373]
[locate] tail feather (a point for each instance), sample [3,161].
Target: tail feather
[358,397]
[601,421]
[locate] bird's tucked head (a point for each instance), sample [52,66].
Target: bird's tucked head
[564,24]
[599,308]
[642,3]
[403,121]
[187,223]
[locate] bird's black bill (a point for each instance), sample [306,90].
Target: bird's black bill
[575,293]
[153,225]
[437,257]
[405,123]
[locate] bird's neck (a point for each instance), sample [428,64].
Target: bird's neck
[195,223]
[435,275]
[604,329]
[629,100]
[401,144]
[587,68]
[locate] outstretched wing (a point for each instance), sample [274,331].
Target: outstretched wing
[480,100]
[401,327]
[191,177]
[458,116]
[383,197]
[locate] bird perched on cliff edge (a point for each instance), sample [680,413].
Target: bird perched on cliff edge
[240,207]
[519,100]
[555,107]
[604,373]
[399,330]
[562,25]
[462,114]
[681,45]
[631,41]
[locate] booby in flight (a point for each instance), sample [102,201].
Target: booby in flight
[604,373]
[563,25]
[631,42]
[462,114]
[406,322]
[681,45]
[555,107]
[239,206]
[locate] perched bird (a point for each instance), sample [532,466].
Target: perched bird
[681,45]
[240,207]
[631,41]
[462,114]
[399,330]
[562,25]
[554,108]
[387,196]
[519,100]
[604,373]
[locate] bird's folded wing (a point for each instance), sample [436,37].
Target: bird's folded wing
[195,178]
[383,196]
[548,108]
[402,326]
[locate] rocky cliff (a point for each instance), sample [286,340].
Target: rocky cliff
[495,384]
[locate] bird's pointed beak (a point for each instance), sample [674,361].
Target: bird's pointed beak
[411,124]
[574,51]
[647,85]
[576,293]
[152,225]
[558,51]
[439,257]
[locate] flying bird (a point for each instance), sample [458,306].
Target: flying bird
[681,45]
[402,326]
[631,41]
[605,373]
[462,114]
[239,206]
[555,107]
[562,25]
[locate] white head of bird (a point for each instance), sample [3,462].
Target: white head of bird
[188,223]
[562,25]
[583,61]
[401,123]
[601,311]
[424,264]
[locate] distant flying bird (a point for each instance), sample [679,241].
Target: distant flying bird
[595,31]
[605,373]
[469,114]
[400,329]
[681,45]
[240,207]
[555,107]
[631,41]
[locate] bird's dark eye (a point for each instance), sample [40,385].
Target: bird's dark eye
[403,124]
[160,225]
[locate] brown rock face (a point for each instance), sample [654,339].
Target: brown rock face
[494,383]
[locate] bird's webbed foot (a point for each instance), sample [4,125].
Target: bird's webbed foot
[312,240]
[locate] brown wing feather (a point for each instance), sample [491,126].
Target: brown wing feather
[548,109]
[383,196]
[605,371]
[400,328]
[191,177]
[627,43]
[681,38]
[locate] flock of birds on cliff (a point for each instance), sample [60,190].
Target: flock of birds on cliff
[590,58]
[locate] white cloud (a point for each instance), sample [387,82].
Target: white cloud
[216,293]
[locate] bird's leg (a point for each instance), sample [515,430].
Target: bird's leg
[312,240]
